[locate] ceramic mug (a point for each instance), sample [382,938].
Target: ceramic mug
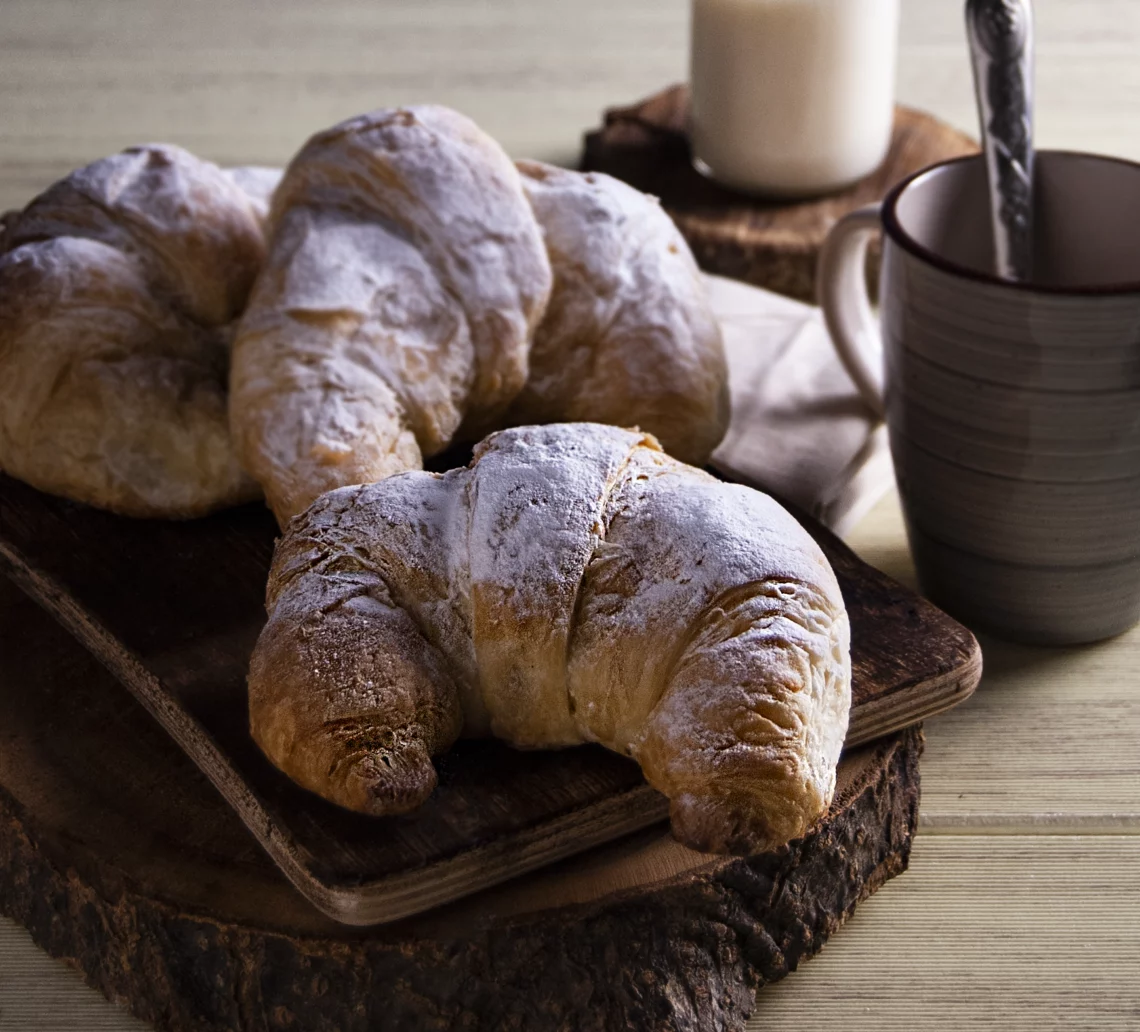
[1013,410]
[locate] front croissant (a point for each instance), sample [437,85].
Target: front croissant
[573,584]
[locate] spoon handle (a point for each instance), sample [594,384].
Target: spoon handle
[1001,47]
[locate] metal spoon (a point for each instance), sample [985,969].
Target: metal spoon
[1001,46]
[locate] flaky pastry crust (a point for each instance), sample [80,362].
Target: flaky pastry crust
[628,337]
[421,289]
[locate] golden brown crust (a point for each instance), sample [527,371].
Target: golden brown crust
[410,270]
[347,697]
[574,584]
[118,287]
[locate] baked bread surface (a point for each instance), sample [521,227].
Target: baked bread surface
[628,337]
[419,288]
[119,286]
[405,278]
[574,584]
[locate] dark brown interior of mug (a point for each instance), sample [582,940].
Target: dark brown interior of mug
[1086,222]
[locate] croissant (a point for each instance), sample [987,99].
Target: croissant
[119,286]
[572,584]
[405,304]
[628,337]
[405,277]
[257,182]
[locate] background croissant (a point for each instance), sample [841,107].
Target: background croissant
[574,584]
[628,337]
[415,279]
[119,286]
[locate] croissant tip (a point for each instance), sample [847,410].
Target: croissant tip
[386,783]
[710,824]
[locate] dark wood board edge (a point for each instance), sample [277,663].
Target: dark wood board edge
[392,898]
[148,690]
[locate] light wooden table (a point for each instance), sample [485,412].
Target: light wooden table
[1022,906]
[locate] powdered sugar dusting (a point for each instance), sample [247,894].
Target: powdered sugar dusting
[118,288]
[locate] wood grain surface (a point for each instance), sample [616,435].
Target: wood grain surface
[173,610]
[1050,742]
[1029,754]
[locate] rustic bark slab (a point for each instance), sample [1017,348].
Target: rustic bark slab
[118,855]
[173,610]
[769,243]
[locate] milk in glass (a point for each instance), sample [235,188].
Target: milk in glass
[792,97]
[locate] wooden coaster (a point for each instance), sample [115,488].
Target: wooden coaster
[771,244]
[118,855]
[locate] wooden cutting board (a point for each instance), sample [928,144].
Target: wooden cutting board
[173,610]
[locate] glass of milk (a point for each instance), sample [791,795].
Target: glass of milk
[792,97]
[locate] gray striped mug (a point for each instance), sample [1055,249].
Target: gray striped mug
[1013,410]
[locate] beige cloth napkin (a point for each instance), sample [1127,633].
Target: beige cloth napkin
[799,427]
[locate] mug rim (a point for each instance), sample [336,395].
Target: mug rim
[892,226]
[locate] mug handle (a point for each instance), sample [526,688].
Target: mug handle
[841,285]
